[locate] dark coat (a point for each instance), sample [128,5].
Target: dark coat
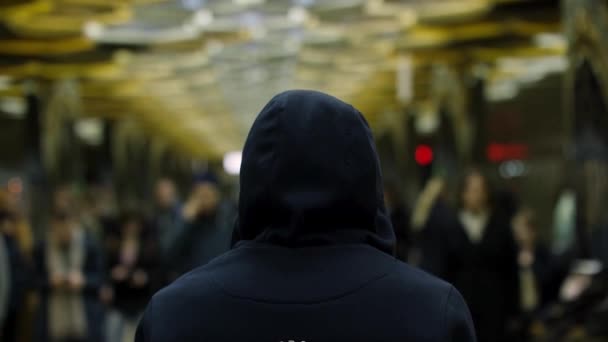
[198,241]
[93,273]
[486,273]
[547,279]
[430,239]
[20,283]
[20,273]
[167,221]
[315,258]
[128,299]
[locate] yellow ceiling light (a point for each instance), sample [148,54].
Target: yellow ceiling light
[144,2]
[452,10]
[151,75]
[17,71]
[98,71]
[404,13]
[428,37]
[92,3]
[180,90]
[412,13]
[526,28]
[492,54]
[39,47]
[121,89]
[27,8]
[65,19]
[15,90]
[422,59]
[422,37]
[115,109]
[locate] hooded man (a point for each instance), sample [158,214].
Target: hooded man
[315,257]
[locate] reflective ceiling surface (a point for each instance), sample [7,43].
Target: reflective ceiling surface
[196,72]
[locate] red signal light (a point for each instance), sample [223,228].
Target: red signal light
[423,155]
[496,152]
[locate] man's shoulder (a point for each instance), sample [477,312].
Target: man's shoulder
[204,284]
[186,297]
[193,285]
[178,309]
[436,301]
[409,282]
[425,299]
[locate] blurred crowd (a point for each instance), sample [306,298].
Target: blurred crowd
[96,265]
[518,285]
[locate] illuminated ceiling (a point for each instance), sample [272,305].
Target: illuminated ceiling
[196,72]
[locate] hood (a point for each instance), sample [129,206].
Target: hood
[310,176]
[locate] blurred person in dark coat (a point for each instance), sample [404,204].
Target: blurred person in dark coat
[15,275]
[69,273]
[167,212]
[5,286]
[479,258]
[535,263]
[315,258]
[133,262]
[16,243]
[206,227]
[537,285]
[86,206]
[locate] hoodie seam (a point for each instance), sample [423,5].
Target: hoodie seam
[329,299]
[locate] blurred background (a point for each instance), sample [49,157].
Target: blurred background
[122,121]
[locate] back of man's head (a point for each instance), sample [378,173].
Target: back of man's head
[310,175]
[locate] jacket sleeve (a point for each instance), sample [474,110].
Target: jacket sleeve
[179,243]
[458,322]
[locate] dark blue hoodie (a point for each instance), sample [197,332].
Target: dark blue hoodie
[315,261]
